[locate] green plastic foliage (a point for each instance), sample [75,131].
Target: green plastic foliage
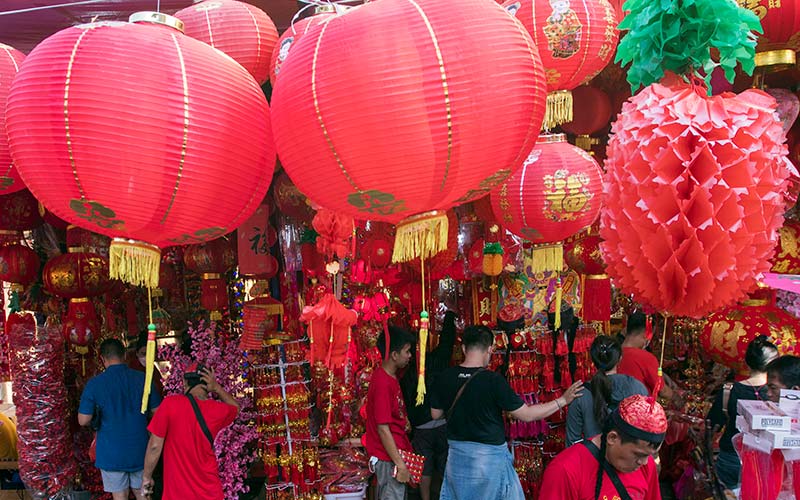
[677,36]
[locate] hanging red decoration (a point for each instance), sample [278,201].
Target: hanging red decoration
[243,31]
[329,331]
[256,238]
[19,211]
[693,196]
[576,40]
[556,194]
[728,332]
[780,21]
[148,162]
[10,61]
[334,232]
[76,274]
[438,135]
[289,38]
[787,252]
[211,261]
[583,255]
[290,201]
[592,111]
[19,265]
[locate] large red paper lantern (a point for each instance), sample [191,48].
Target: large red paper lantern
[576,40]
[693,196]
[780,20]
[555,195]
[417,129]
[19,265]
[290,37]
[243,31]
[728,332]
[10,60]
[162,159]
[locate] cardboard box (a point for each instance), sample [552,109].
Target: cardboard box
[790,402]
[780,440]
[764,415]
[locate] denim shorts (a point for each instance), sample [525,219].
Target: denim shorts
[477,471]
[117,480]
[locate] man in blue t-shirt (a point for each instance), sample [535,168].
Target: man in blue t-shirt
[116,396]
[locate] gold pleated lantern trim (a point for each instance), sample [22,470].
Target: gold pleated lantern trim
[134,262]
[558,109]
[420,236]
[546,258]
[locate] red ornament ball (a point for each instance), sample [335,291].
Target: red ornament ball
[693,196]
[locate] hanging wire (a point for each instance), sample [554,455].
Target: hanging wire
[46,7]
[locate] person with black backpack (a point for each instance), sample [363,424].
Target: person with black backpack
[603,393]
[185,427]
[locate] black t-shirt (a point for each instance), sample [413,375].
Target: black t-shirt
[716,416]
[478,414]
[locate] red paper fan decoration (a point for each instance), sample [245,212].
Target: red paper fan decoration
[10,61]
[162,159]
[438,135]
[693,196]
[555,195]
[576,40]
[290,37]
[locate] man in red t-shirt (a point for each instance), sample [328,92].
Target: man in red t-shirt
[634,433]
[190,463]
[639,363]
[386,417]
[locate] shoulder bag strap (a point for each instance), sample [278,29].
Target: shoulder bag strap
[449,412]
[201,420]
[726,397]
[610,472]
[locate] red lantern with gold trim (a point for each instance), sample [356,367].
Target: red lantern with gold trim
[592,111]
[780,20]
[728,332]
[583,255]
[19,265]
[576,40]
[211,260]
[290,201]
[787,251]
[243,31]
[10,61]
[147,163]
[438,135]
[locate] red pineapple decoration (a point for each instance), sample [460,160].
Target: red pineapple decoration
[576,40]
[146,162]
[243,31]
[693,196]
[10,60]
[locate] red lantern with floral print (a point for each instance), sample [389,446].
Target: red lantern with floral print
[10,61]
[151,162]
[576,40]
[438,135]
[583,255]
[728,332]
[211,261]
[243,31]
[289,38]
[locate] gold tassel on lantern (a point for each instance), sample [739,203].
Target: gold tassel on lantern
[134,262]
[557,319]
[421,236]
[150,357]
[544,258]
[423,348]
[558,109]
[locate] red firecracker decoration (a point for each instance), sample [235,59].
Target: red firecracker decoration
[556,194]
[693,196]
[728,332]
[289,38]
[438,135]
[583,256]
[211,261]
[591,113]
[243,31]
[576,40]
[787,251]
[10,61]
[162,161]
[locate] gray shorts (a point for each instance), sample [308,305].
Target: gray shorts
[388,487]
[117,480]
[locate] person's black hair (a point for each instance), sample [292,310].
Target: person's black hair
[787,368]
[195,377]
[624,438]
[477,337]
[141,340]
[112,349]
[637,323]
[759,353]
[606,353]
[398,339]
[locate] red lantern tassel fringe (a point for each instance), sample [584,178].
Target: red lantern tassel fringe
[546,258]
[558,109]
[134,262]
[421,236]
[596,297]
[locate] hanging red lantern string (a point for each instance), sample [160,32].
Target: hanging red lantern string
[243,31]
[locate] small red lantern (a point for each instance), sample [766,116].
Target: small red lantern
[148,162]
[19,265]
[583,255]
[19,211]
[787,251]
[438,135]
[727,333]
[76,274]
[290,37]
[576,40]
[10,61]
[243,31]
[211,260]
[290,201]
[555,195]
[592,111]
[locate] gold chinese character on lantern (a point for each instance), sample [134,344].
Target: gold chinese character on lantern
[725,337]
[756,7]
[566,195]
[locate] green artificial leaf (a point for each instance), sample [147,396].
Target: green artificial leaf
[678,35]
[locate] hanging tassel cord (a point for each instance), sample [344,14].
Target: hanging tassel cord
[660,382]
[559,292]
[150,357]
[424,323]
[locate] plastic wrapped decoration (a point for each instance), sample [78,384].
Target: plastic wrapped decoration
[46,463]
